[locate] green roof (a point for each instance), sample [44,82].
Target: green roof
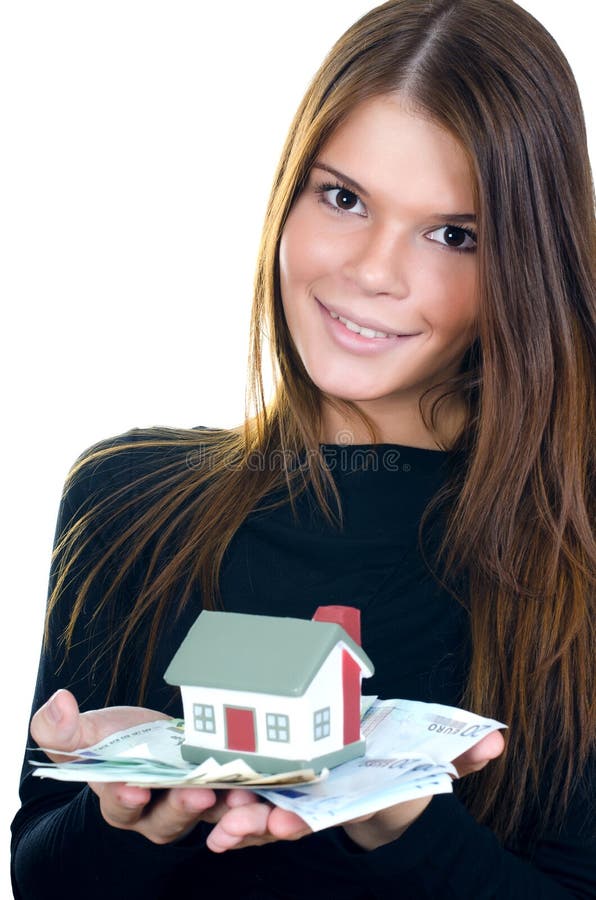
[266,654]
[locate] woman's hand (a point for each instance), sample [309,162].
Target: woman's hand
[248,821]
[239,817]
[389,824]
[163,817]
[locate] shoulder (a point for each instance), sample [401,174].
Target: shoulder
[135,467]
[142,447]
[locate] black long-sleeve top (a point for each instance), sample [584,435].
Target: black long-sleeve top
[281,563]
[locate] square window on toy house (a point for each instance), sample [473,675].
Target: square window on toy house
[278,727]
[204,717]
[322,723]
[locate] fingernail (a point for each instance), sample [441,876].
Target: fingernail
[53,711]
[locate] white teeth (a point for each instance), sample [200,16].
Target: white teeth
[359,329]
[351,325]
[368,332]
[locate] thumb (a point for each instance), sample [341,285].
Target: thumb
[57,724]
[480,754]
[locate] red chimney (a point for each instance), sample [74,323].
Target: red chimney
[346,616]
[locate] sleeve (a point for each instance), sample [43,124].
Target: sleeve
[61,846]
[446,853]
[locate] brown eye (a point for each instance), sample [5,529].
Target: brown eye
[345,199]
[456,238]
[340,199]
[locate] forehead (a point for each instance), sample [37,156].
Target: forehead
[384,143]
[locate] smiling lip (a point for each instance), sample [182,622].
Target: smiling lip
[380,331]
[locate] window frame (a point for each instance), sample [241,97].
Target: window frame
[322,723]
[205,717]
[277,726]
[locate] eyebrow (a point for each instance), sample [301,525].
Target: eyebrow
[454,218]
[448,218]
[349,182]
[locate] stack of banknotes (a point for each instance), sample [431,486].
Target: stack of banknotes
[409,751]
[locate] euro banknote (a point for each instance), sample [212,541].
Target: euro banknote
[410,748]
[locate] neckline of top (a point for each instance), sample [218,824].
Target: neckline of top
[383,446]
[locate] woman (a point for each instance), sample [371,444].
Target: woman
[426,281]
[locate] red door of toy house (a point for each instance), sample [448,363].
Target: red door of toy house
[240,729]
[351,690]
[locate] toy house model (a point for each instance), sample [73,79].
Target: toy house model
[281,693]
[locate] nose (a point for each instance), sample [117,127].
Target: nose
[378,262]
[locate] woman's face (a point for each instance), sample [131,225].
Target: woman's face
[378,262]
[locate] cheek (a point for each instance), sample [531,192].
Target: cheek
[450,291]
[291,266]
[295,249]
[307,250]
[295,274]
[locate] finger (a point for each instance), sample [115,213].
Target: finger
[59,725]
[56,723]
[282,824]
[214,813]
[169,816]
[254,824]
[287,826]
[240,797]
[238,824]
[122,806]
[480,754]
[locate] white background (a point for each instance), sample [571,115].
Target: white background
[139,140]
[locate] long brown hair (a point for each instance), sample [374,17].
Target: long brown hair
[519,528]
